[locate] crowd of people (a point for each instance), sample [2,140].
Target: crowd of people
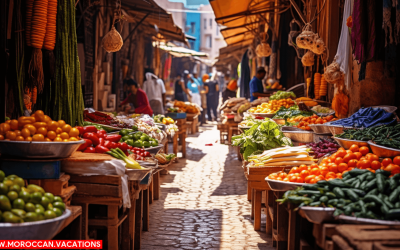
[203,91]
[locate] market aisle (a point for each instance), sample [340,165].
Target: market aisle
[203,202]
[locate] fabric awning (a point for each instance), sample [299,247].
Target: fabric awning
[178,51]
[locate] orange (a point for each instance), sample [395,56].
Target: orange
[61,123]
[324,170]
[387,161]
[364,150]
[17,132]
[74,132]
[46,119]
[28,138]
[372,157]
[64,135]
[396,160]
[38,137]
[66,128]
[31,128]
[58,139]
[338,160]
[364,164]
[358,154]
[39,115]
[59,130]
[75,139]
[20,138]
[1,137]
[348,157]
[315,171]
[25,132]
[52,125]
[47,139]
[14,124]
[302,167]
[11,135]
[66,140]
[4,128]
[304,174]
[354,148]
[51,135]
[342,167]
[42,130]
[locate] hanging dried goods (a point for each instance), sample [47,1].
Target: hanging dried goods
[340,104]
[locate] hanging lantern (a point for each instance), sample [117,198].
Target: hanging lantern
[112,41]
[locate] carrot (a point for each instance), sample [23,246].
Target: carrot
[50,37]
[29,7]
[38,23]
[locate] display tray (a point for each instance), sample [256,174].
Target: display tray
[355,220]
[336,129]
[108,126]
[282,185]
[37,230]
[298,135]
[318,215]
[346,143]
[264,115]
[382,151]
[279,121]
[320,129]
[137,174]
[39,150]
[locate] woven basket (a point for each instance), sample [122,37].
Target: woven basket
[112,41]
[263,50]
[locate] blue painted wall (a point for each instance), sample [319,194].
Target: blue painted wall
[193,25]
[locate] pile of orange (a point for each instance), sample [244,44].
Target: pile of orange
[272,106]
[340,162]
[38,127]
[314,119]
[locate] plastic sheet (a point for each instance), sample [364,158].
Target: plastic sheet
[112,167]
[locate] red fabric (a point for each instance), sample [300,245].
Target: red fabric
[143,105]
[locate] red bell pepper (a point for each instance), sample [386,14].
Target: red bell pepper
[113,138]
[123,146]
[81,130]
[93,137]
[90,150]
[87,143]
[114,145]
[101,133]
[147,154]
[102,141]
[107,144]
[101,149]
[90,129]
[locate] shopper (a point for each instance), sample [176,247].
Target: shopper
[155,90]
[230,91]
[203,95]
[212,90]
[194,88]
[180,89]
[137,98]
[256,85]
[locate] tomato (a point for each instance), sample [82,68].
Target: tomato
[66,128]
[342,167]
[4,128]
[348,157]
[20,138]
[51,135]
[39,115]
[304,174]
[324,170]
[364,164]
[61,123]
[313,166]
[352,163]
[294,170]
[64,135]
[396,160]
[372,157]
[358,154]
[391,167]
[333,167]
[28,138]
[302,167]
[315,171]
[1,137]
[299,179]
[59,130]
[354,148]
[338,160]
[25,132]
[387,161]
[364,150]
[339,175]
[11,135]
[282,174]
[58,139]
[376,165]
[46,119]
[341,153]
[293,178]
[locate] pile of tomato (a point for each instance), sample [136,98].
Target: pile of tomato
[337,164]
[314,119]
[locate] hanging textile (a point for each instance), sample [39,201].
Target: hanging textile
[167,67]
[245,77]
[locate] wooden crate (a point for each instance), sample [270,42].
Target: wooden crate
[54,186]
[323,234]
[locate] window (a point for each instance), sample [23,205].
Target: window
[211,21]
[217,30]
[191,44]
[205,23]
[192,27]
[208,41]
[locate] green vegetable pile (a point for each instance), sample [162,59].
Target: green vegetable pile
[261,136]
[285,113]
[25,204]
[360,193]
[137,139]
[282,95]
[388,136]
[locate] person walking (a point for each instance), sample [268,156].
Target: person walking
[194,88]
[212,90]
[155,90]
[203,95]
[180,89]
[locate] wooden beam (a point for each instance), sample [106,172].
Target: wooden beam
[137,25]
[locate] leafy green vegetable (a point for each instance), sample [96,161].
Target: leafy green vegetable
[282,95]
[293,111]
[261,136]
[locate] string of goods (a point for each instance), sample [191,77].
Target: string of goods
[340,104]
[317,84]
[68,103]
[323,89]
[19,56]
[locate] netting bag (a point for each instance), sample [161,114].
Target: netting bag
[263,50]
[332,73]
[112,41]
[308,59]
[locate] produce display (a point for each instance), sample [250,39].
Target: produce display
[260,137]
[235,105]
[360,193]
[186,107]
[322,110]
[20,203]
[138,139]
[307,101]
[103,119]
[286,156]
[249,121]
[314,119]
[164,120]
[282,95]
[292,112]
[119,154]
[164,159]
[337,164]
[323,147]
[340,104]
[272,106]
[366,118]
[138,154]
[38,127]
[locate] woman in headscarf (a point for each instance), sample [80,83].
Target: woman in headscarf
[212,90]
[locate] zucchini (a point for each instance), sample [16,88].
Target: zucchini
[352,195]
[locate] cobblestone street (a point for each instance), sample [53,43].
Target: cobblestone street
[203,203]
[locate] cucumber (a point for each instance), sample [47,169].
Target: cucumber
[355,172]
[338,192]
[352,195]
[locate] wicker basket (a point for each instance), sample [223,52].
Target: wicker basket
[112,41]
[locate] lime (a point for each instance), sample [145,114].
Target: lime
[35,188]
[26,190]
[30,207]
[144,138]
[39,211]
[131,136]
[3,188]
[40,216]
[12,218]
[4,203]
[19,203]
[57,198]
[19,181]
[130,142]
[45,202]
[30,216]
[12,195]
[36,197]
[125,138]
[11,177]
[49,196]
[49,214]
[154,143]
[59,205]
[2,175]
[19,212]
[137,136]
[50,206]
[25,196]
[8,182]
[146,144]
[57,211]
[15,188]
[138,144]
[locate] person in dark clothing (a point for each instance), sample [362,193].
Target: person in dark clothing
[256,86]
[180,89]
[212,90]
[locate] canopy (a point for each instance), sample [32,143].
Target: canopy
[179,51]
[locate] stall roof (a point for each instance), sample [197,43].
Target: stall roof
[179,51]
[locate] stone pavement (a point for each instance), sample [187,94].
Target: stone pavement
[203,203]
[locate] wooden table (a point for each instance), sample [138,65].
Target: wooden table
[181,134]
[229,129]
[72,224]
[192,121]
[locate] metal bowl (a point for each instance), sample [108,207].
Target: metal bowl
[298,135]
[346,143]
[383,152]
[137,174]
[318,137]
[41,150]
[37,230]
[279,121]
[283,185]
[154,150]
[337,129]
[318,215]
[264,115]
[320,129]
[355,220]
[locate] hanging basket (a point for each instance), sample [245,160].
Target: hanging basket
[332,73]
[263,50]
[250,53]
[308,59]
[112,41]
[306,39]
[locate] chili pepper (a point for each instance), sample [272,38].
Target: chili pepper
[113,138]
[81,130]
[93,137]
[114,145]
[85,145]
[107,144]
[90,150]
[101,141]
[123,146]
[101,149]
[90,129]
[101,133]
